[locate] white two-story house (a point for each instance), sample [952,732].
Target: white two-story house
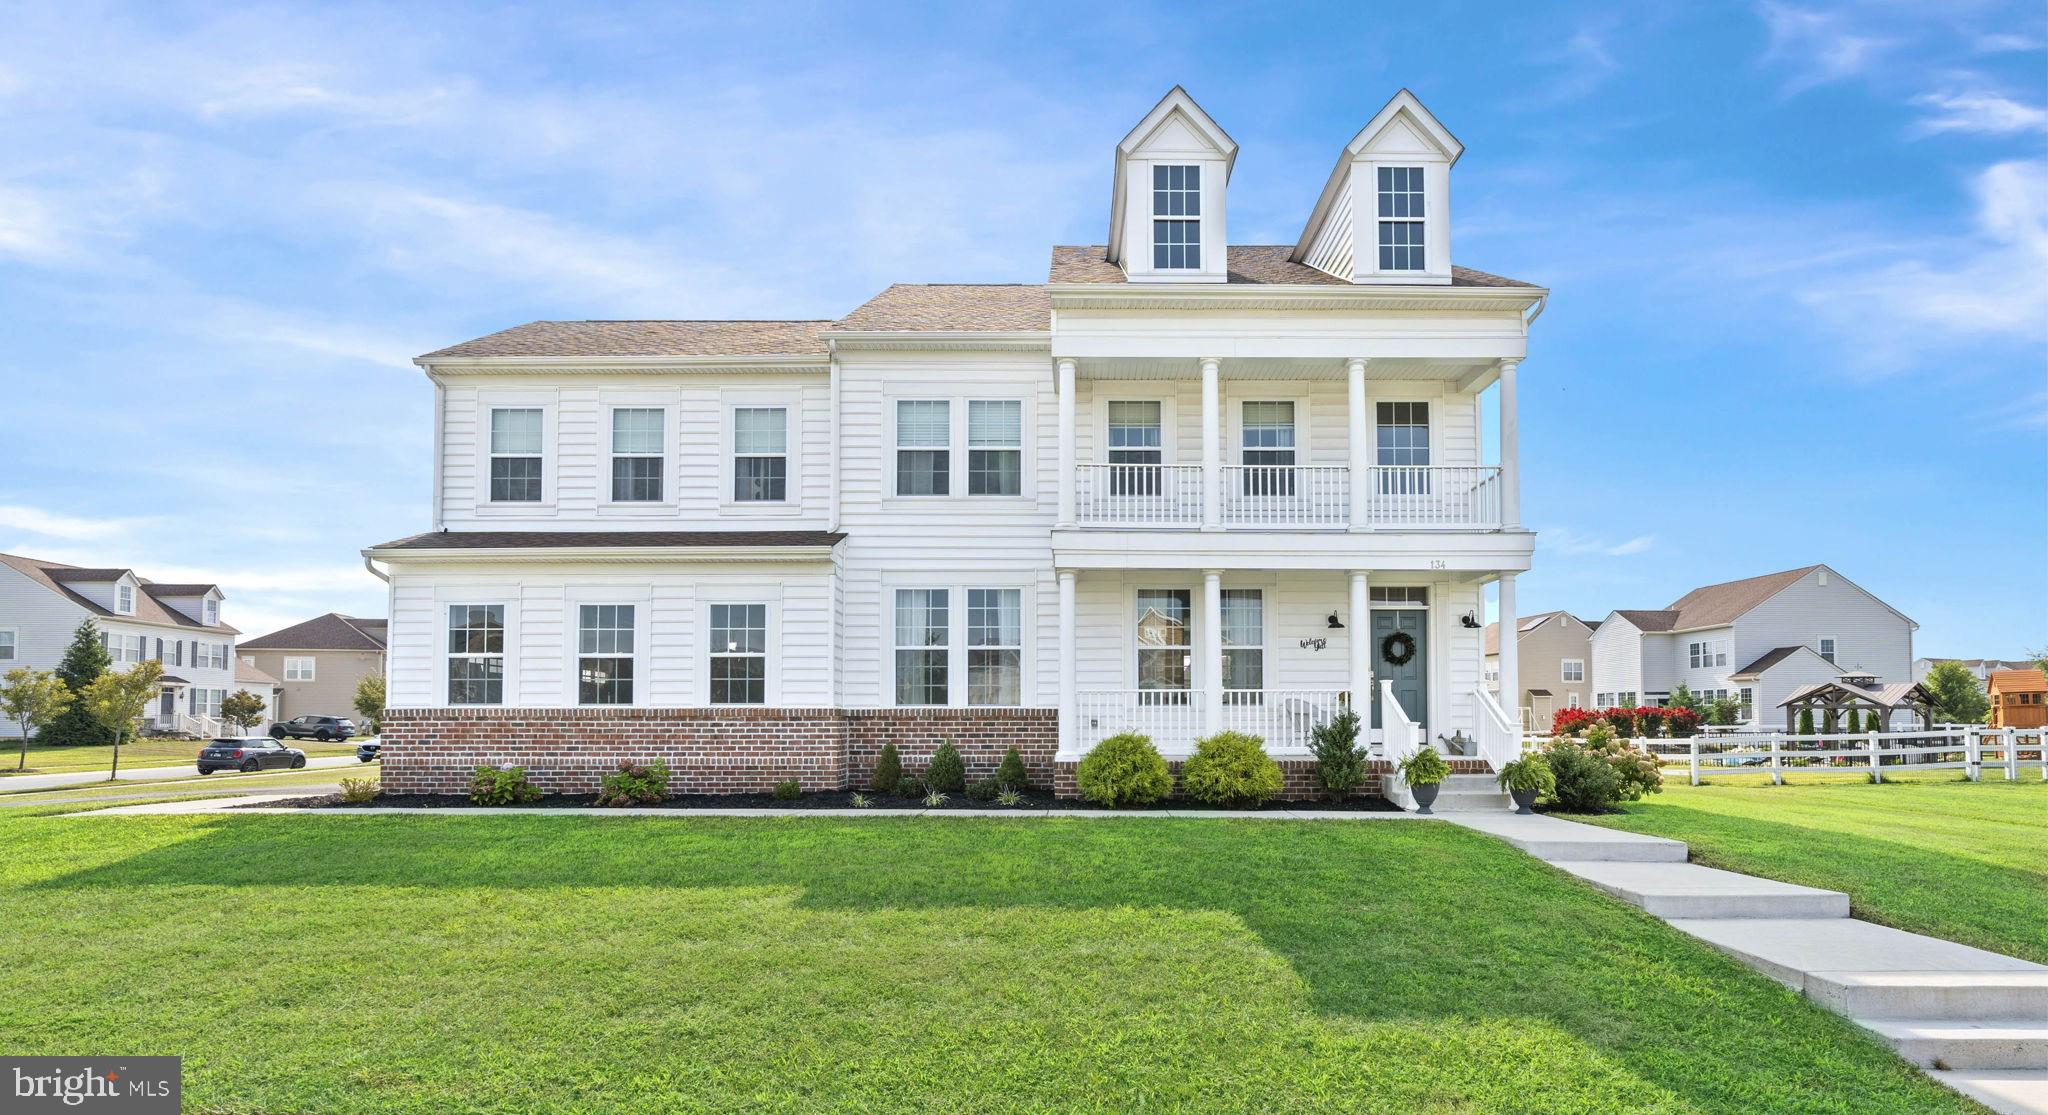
[43,602]
[1180,486]
[1755,641]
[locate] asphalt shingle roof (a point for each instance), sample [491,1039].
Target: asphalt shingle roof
[332,631]
[495,540]
[646,338]
[52,575]
[1248,263]
[953,307]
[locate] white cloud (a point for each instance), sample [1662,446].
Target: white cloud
[1566,542]
[1817,46]
[71,528]
[1978,113]
[30,228]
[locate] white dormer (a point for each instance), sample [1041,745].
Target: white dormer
[199,603]
[124,594]
[1384,217]
[1166,210]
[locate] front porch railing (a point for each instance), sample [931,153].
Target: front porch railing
[1282,717]
[1288,497]
[1122,495]
[1173,718]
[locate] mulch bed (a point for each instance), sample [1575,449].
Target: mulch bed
[1034,801]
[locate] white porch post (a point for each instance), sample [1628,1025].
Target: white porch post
[1510,653]
[1211,673]
[1510,459]
[1360,450]
[1069,690]
[1066,388]
[1359,618]
[1212,445]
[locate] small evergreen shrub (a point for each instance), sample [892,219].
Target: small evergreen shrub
[1805,722]
[910,786]
[1340,762]
[1586,782]
[1124,769]
[357,791]
[1854,726]
[948,773]
[983,789]
[1232,769]
[1011,772]
[788,790]
[888,770]
[634,784]
[505,785]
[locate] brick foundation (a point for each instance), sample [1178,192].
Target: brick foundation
[980,734]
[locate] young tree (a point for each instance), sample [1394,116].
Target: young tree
[370,702]
[1854,725]
[1683,697]
[1958,699]
[242,708]
[1806,721]
[120,701]
[1722,712]
[84,661]
[32,698]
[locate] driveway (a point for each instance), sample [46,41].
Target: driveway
[25,782]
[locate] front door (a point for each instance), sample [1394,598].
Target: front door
[167,708]
[1408,675]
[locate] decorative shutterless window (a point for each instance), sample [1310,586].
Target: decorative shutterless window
[212,612]
[1177,217]
[604,649]
[1400,218]
[923,627]
[10,644]
[995,447]
[760,454]
[1244,643]
[1268,450]
[1164,644]
[639,453]
[739,654]
[924,439]
[1827,649]
[1574,669]
[298,669]
[476,654]
[1399,595]
[1571,700]
[124,599]
[1135,429]
[995,646]
[515,454]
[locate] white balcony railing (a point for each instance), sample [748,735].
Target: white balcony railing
[1289,497]
[1173,717]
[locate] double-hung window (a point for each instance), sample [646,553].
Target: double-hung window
[1400,218]
[995,447]
[476,654]
[124,599]
[924,440]
[639,452]
[298,669]
[760,454]
[1244,645]
[604,650]
[1403,448]
[1135,428]
[10,644]
[1827,649]
[995,646]
[739,654]
[1574,669]
[1164,644]
[1177,218]
[923,638]
[1268,452]
[515,454]
[211,609]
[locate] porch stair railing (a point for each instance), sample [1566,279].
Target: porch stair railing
[1500,741]
[1400,737]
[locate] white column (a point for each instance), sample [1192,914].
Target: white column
[1361,450]
[1066,388]
[1510,653]
[1358,619]
[1069,689]
[1211,673]
[1510,455]
[1212,445]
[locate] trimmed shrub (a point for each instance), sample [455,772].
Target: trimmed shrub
[1854,725]
[910,786]
[1586,782]
[1124,769]
[357,791]
[888,770]
[1011,773]
[1340,762]
[1805,722]
[948,773]
[634,784]
[983,789]
[789,789]
[1230,768]
[506,785]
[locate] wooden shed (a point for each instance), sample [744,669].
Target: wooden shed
[2019,699]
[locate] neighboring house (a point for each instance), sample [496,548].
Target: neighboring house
[249,677]
[1756,641]
[1556,665]
[1178,487]
[1980,668]
[320,662]
[2019,698]
[43,602]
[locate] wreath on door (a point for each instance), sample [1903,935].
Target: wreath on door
[1398,648]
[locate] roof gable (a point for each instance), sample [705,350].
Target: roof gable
[1175,127]
[53,575]
[332,631]
[1715,605]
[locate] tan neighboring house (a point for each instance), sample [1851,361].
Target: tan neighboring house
[1556,653]
[318,663]
[256,681]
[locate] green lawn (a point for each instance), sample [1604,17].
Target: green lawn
[558,964]
[1933,854]
[226,784]
[134,756]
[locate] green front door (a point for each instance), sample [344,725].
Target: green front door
[1409,676]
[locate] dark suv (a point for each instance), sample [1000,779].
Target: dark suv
[322,728]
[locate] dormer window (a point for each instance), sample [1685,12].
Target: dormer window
[1177,217]
[212,612]
[1400,218]
[124,599]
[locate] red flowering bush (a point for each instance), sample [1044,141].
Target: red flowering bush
[1628,723]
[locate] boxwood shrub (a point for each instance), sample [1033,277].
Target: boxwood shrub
[1230,768]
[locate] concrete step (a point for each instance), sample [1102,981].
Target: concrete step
[1548,838]
[1786,949]
[1946,995]
[1686,890]
[2008,1043]
[1471,801]
[2005,1091]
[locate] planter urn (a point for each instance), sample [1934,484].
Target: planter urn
[1523,800]
[1425,793]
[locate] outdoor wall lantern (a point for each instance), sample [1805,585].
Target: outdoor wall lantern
[1335,623]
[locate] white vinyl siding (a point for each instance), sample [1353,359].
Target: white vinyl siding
[10,644]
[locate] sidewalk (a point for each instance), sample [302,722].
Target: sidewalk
[24,783]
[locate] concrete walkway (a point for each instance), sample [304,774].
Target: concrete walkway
[1976,1020]
[25,783]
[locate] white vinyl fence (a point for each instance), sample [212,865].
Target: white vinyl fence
[1966,748]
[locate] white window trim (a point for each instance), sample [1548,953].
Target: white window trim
[1564,676]
[1428,232]
[308,670]
[550,457]
[1153,217]
[792,404]
[1233,433]
[1436,227]
[12,643]
[956,635]
[956,402]
[700,649]
[1107,393]
[669,470]
[209,611]
[508,693]
[124,598]
[572,626]
[1834,647]
[1268,652]
[1571,699]
[1198,672]
[1372,428]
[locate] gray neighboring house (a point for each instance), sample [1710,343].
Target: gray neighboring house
[1980,668]
[319,662]
[1757,641]
[1556,664]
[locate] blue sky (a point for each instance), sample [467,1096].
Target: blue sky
[1800,251]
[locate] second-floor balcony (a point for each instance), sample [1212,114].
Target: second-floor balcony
[1127,496]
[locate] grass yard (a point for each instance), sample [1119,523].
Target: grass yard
[557,964]
[134,756]
[1930,853]
[225,784]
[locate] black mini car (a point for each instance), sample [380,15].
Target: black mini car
[252,754]
[322,728]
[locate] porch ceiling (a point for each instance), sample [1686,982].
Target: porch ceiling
[1478,373]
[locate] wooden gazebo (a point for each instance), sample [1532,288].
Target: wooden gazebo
[1860,692]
